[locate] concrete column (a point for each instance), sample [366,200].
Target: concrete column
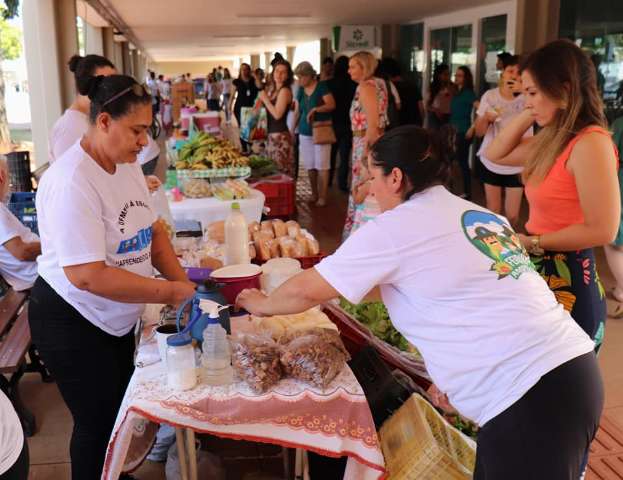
[142,66]
[67,37]
[43,64]
[325,49]
[390,41]
[112,49]
[127,60]
[290,51]
[136,66]
[268,57]
[537,23]
[255,61]
[94,43]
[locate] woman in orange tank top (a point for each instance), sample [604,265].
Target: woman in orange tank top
[570,175]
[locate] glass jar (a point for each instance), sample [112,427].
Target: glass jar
[181,370]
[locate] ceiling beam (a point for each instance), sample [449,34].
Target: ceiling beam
[108,12]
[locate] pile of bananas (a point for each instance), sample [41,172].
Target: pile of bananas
[205,151]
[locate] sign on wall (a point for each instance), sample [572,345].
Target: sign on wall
[354,37]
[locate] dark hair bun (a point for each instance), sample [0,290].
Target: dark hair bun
[92,85]
[74,62]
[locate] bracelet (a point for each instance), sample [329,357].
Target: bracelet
[535,246]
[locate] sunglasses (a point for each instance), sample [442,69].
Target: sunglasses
[137,89]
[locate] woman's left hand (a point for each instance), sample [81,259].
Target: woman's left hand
[251,299]
[310,115]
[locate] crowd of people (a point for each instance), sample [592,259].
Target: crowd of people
[508,318]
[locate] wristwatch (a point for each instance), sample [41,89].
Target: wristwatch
[535,246]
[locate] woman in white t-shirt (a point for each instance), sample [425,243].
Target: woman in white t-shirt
[100,244]
[497,108]
[13,446]
[19,246]
[75,121]
[460,287]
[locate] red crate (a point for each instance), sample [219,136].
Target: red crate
[279,191]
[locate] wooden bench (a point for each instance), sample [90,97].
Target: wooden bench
[17,354]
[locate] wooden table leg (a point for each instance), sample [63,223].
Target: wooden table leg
[181,452]
[191,451]
[298,464]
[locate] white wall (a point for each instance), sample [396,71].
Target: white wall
[94,40]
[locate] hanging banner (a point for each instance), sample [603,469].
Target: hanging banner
[354,37]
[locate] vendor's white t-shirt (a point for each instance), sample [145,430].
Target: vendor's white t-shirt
[88,215]
[11,434]
[66,131]
[460,287]
[506,110]
[19,274]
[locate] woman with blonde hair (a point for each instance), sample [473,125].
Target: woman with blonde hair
[570,174]
[368,115]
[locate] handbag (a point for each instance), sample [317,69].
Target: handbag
[322,130]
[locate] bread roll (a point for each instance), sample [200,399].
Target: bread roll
[286,247]
[216,231]
[252,252]
[267,225]
[262,248]
[294,229]
[303,250]
[280,229]
[210,262]
[300,249]
[273,245]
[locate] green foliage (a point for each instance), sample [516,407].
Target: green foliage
[10,41]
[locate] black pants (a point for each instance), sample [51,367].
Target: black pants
[214,105]
[546,433]
[19,470]
[343,147]
[462,157]
[92,370]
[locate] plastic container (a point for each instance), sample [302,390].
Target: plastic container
[181,371]
[216,358]
[418,443]
[22,205]
[235,278]
[236,237]
[276,271]
[279,191]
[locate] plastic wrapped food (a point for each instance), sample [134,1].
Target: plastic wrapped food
[255,358]
[216,231]
[315,356]
[197,188]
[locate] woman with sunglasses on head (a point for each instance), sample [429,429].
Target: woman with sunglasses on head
[74,123]
[100,244]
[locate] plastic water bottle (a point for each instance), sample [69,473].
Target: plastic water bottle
[236,237]
[216,357]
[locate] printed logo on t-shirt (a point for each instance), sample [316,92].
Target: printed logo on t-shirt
[137,243]
[497,240]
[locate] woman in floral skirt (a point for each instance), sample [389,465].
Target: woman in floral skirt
[368,116]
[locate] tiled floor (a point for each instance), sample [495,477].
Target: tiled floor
[49,448]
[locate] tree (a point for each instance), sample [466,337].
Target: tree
[10,48]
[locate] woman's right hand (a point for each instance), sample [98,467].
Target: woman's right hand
[491,116]
[180,292]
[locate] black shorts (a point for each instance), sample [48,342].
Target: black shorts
[497,179]
[546,433]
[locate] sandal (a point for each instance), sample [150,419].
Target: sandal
[616,311]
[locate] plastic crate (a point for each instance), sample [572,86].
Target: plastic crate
[279,191]
[22,205]
[418,443]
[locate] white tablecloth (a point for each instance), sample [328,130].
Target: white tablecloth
[208,210]
[335,421]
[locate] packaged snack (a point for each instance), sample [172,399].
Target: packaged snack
[313,246]
[210,262]
[255,358]
[197,188]
[287,247]
[315,356]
